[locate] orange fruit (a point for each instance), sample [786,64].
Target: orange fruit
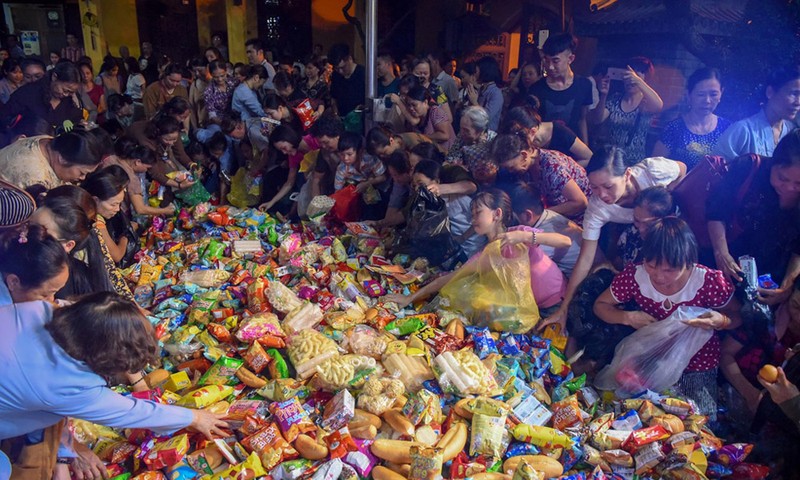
[769,373]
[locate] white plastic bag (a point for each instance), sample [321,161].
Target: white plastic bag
[655,356]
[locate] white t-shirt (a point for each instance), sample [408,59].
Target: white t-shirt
[553,222]
[650,172]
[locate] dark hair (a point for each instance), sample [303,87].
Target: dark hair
[525,196]
[132,66]
[525,116]
[216,52]
[494,198]
[378,137]
[489,70]
[198,62]
[782,75]
[124,146]
[328,125]
[229,122]
[702,74]
[609,158]
[217,142]
[76,147]
[408,82]
[787,152]
[87,65]
[386,55]
[250,71]
[470,68]
[11,64]
[272,101]
[255,43]
[428,151]
[101,143]
[283,80]
[106,182]
[419,60]
[174,106]
[670,241]
[337,53]
[217,65]
[38,259]
[506,147]
[108,64]
[143,154]
[113,127]
[65,72]
[285,133]
[105,331]
[348,140]
[196,148]
[560,42]
[657,200]
[429,168]
[166,125]
[641,65]
[420,94]
[117,101]
[32,61]
[172,69]
[398,160]
[317,61]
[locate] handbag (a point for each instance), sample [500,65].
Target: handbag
[692,192]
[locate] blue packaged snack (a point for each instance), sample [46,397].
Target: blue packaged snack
[484,343]
[765,281]
[716,470]
[521,448]
[433,387]
[571,456]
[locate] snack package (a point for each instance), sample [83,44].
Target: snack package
[167,453]
[338,411]
[256,358]
[340,443]
[544,437]
[250,469]
[306,316]
[307,349]
[426,463]
[463,373]
[255,327]
[222,372]
[281,297]
[487,435]
[291,418]
[270,445]
[365,340]
[205,396]
[412,371]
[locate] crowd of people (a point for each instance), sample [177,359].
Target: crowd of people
[564,164]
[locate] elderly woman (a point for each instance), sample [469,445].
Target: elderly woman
[471,148]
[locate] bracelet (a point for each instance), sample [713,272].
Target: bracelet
[726,321]
[533,239]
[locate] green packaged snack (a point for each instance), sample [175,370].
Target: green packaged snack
[277,365]
[222,372]
[404,326]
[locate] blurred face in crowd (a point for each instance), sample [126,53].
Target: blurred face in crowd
[173,80]
[86,74]
[147,49]
[630,85]
[280,113]
[126,110]
[33,72]
[785,101]
[417,108]
[15,76]
[466,78]
[113,72]
[328,144]
[399,178]
[255,57]
[468,133]
[606,186]
[3,54]
[70,172]
[46,291]
[383,68]
[349,156]
[219,76]
[286,148]
[211,56]
[450,67]
[519,164]
[529,75]
[663,276]
[484,218]
[705,96]
[643,219]
[109,208]
[72,40]
[423,72]
[422,181]
[54,58]
[312,71]
[200,72]
[785,179]
[558,65]
[216,40]
[169,139]
[60,90]
[139,166]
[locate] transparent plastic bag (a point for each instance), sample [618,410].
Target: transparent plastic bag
[494,290]
[655,356]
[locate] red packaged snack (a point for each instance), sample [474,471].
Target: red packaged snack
[305,112]
[749,471]
[271,341]
[167,453]
[270,445]
[251,425]
[438,340]
[256,357]
[340,443]
[566,413]
[644,436]
[220,332]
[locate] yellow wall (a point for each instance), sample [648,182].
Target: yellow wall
[117,25]
[328,26]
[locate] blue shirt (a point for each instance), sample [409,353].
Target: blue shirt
[5,295]
[245,101]
[750,135]
[42,384]
[229,160]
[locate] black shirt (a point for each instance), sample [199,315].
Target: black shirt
[565,105]
[33,100]
[348,92]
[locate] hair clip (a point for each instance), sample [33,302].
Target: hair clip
[23,235]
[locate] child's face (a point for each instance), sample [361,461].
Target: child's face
[349,156]
[558,65]
[483,218]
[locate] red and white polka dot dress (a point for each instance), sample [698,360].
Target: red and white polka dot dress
[706,288]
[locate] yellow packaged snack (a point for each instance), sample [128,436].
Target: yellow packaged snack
[205,396]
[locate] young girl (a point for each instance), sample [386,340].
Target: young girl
[492,217]
[107,188]
[286,143]
[427,173]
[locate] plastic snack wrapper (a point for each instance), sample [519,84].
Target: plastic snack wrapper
[308,349]
[426,463]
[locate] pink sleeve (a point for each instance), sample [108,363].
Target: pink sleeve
[438,115]
[716,291]
[312,142]
[295,160]
[624,286]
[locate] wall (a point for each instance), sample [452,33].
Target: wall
[329,26]
[118,22]
[34,17]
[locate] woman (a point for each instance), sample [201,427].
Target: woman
[278,109]
[761,133]
[164,136]
[485,92]
[33,265]
[120,108]
[245,100]
[562,182]
[615,186]
[425,116]
[50,99]
[107,188]
[471,148]
[314,87]
[422,70]
[58,363]
[219,91]
[492,217]
[143,131]
[762,220]
[157,94]
[109,77]
[218,43]
[280,180]
[136,160]
[628,113]
[12,79]
[695,134]
[525,120]
[92,95]
[669,278]
[212,54]
[135,87]
[48,162]
[520,87]
[200,81]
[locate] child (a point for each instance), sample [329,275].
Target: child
[492,217]
[364,171]
[136,160]
[200,155]
[427,173]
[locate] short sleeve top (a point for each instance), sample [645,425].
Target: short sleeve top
[557,170]
[705,288]
[437,115]
[562,138]
[688,147]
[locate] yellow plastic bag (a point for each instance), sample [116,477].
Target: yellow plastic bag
[245,190]
[494,290]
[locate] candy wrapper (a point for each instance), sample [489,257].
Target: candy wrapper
[167,453]
[338,411]
[423,408]
[487,435]
[291,418]
[259,325]
[250,469]
[270,445]
[205,396]
[307,349]
[463,373]
[281,297]
[222,372]
[426,463]
[544,437]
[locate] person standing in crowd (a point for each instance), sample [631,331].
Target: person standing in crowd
[92,94]
[14,50]
[218,42]
[219,92]
[348,81]
[427,117]
[471,148]
[626,115]
[109,77]
[73,51]
[135,87]
[520,88]
[200,81]
[314,87]
[55,57]
[384,69]
[442,78]
[245,99]
[164,90]
[694,134]
[761,133]
[564,96]
[256,55]
[33,70]
[12,79]
[485,92]
[148,63]
[524,120]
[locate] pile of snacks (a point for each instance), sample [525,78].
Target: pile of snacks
[280,328]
